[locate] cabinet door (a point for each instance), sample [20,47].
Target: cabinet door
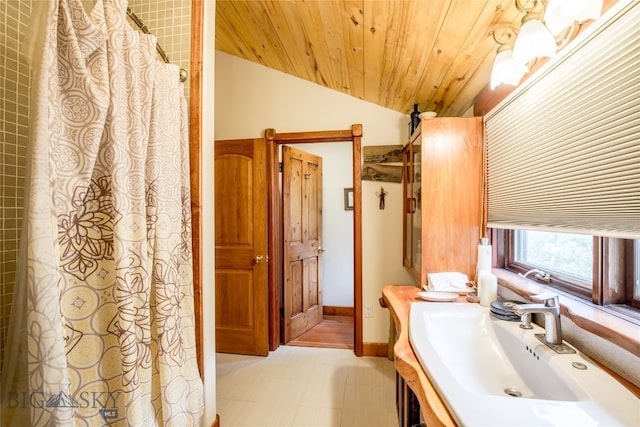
[452,200]
[407,178]
[416,200]
[412,233]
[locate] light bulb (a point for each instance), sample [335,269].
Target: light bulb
[591,10]
[506,70]
[554,19]
[534,41]
[560,14]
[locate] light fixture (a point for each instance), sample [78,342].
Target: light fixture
[506,70]
[538,38]
[534,40]
[555,20]
[560,14]
[580,10]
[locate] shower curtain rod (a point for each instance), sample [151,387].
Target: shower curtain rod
[140,23]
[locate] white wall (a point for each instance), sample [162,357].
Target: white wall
[337,223]
[208,277]
[250,98]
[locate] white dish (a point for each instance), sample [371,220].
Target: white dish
[428,115]
[438,296]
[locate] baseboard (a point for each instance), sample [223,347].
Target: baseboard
[216,423]
[329,310]
[377,349]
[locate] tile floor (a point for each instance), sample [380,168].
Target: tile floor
[302,386]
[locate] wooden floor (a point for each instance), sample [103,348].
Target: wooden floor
[332,332]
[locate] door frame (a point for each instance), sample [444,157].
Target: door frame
[274,139]
[195,169]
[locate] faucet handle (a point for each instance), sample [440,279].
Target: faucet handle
[549,298]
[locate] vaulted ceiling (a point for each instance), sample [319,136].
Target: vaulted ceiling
[394,53]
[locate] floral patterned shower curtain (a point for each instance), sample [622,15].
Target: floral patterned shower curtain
[103,306]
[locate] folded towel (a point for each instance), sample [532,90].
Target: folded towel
[447,282]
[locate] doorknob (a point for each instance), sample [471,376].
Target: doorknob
[258,259]
[321,249]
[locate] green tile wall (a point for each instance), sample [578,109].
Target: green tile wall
[14,120]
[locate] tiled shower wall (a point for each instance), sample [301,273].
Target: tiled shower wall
[14,98]
[169,20]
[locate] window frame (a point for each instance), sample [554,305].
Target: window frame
[614,272]
[633,273]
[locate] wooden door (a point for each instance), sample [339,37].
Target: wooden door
[241,247]
[302,239]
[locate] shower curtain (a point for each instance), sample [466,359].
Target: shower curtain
[102,323]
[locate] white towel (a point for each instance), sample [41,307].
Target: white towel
[447,282]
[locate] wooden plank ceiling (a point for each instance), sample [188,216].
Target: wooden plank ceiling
[394,53]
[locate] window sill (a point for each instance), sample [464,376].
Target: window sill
[597,320]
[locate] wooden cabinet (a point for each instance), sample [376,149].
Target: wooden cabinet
[443,196]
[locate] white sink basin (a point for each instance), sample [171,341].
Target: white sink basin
[492,373]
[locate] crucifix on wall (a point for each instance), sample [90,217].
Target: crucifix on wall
[381,194]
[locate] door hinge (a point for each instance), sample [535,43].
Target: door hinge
[280,167]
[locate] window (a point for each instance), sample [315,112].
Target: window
[592,268]
[564,254]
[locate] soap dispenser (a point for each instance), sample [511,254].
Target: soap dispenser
[484,256]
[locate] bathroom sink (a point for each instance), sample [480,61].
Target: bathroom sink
[493,373]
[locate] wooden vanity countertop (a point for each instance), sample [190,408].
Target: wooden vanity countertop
[398,298]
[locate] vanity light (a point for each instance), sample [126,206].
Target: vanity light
[506,70]
[580,10]
[555,17]
[538,38]
[560,14]
[534,40]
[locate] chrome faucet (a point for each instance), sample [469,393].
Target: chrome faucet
[538,274]
[550,307]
